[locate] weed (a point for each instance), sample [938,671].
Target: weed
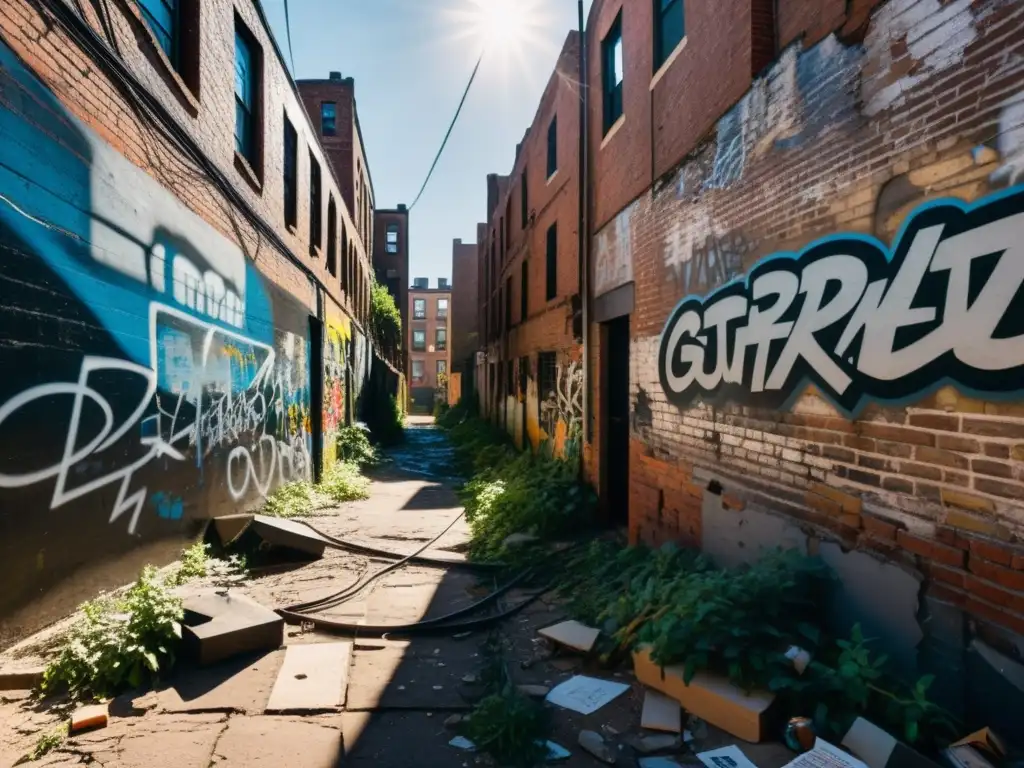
[354,446]
[291,500]
[195,561]
[46,743]
[120,642]
[343,482]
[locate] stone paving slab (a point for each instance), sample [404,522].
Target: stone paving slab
[313,678]
[274,742]
[239,685]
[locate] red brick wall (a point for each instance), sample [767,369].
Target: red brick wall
[339,148]
[845,136]
[430,324]
[465,286]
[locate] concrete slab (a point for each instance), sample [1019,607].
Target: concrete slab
[20,679]
[661,713]
[237,685]
[289,534]
[219,625]
[313,678]
[271,742]
[165,742]
[572,634]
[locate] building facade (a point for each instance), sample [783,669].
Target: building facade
[430,354]
[465,339]
[531,381]
[391,263]
[806,310]
[180,342]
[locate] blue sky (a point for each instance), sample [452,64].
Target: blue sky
[410,60]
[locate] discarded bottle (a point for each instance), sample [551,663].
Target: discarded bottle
[800,736]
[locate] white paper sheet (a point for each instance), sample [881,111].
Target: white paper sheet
[725,757]
[585,694]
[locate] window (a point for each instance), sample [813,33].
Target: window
[501,230]
[315,230]
[442,367]
[291,174]
[508,221]
[510,378]
[553,146]
[546,376]
[344,257]
[611,73]
[442,308]
[417,370]
[419,340]
[508,301]
[669,29]
[441,339]
[419,309]
[328,118]
[524,291]
[391,238]
[552,262]
[164,20]
[523,200]
[247,88]
[332,236]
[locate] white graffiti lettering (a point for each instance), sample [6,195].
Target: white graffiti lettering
[946,305]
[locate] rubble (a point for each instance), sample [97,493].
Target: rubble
[572,634]
[594,743]
[89,718]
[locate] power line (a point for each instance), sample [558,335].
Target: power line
[458,109]
[288,32]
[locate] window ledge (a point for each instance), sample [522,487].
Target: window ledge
[552,177]
[188,96]
[668,62]
[314,251]
[243,167]
[613,130]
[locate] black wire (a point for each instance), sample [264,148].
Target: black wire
[458,109]
[288,31]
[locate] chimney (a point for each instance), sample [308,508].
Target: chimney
[401,208]
[335,76]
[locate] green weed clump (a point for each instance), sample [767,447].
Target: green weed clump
[120,642]
[296,499]
[195,562]
[343,482]
[46,743]
[354,446]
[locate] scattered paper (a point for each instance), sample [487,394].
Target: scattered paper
[687,737]
[661,713]
[578,636]
[799,657]
[824,755]
[585,694]
[556,751]
[725,757]
[657,762]
[461,742]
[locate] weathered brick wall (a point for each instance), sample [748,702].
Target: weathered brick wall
[921,100]
[465,339]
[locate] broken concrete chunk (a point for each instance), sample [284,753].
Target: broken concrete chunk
[594,743]
[655,742]
[219,625]
[661,713]
[313,677]
[572,634]
[453,721]
[87,718]
[534,691]
[21,679]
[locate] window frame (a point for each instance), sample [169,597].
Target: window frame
[441,344]
[291,174]
[441,313]
[174,43]
[547,373]
[334,118]
[316,228]
[662,8]
[422,332]
[412,371]
[416,313]
[612,104]
[551,262]
[391,246]
[524,201]
[440,367]
[249,146]
[552,162]
[332,235]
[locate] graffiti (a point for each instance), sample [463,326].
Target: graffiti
[861,322]
[167,506]
[908,43]
[700,258]
[561,409]
[1010,142]
[643,414]
[613,260]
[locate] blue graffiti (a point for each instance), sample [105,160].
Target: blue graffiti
[168,507]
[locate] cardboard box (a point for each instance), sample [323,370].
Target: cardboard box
[880,749]
[981,749]
[710,697]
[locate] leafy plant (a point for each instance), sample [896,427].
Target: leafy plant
[46,743]
[291,500]
[120,642]
[195,561]
[385,320]
[354,446]
[343,482]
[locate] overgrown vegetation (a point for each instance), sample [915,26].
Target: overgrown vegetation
[740,622]
[515,492]
[341,482]
[120,642]
[385,320]
[354,446]
[46,743]
[196,563]
[506,723]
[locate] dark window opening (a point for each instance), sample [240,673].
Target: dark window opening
[332,236]
[523,200]
[247,89]
[669,29]
[524,292]
[291,174]
[328,118]
[547,375]
[440,339]
[164,19]
[611,73]
[551,258]
[315,224]
[391,238]
[508,301]
[553,146]
[344,257]
[524,368]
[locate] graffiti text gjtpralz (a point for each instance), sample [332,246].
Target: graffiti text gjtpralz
[948,306]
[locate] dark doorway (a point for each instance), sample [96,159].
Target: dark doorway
[615,420]
[316,393]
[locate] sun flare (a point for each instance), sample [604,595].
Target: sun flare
[502,22]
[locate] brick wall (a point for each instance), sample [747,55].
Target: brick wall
[429,325]
[465,307]
[873,111]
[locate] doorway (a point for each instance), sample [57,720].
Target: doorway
[615,419]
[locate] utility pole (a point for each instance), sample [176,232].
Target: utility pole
[583,227]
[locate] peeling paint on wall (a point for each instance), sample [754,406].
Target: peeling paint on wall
[613,262]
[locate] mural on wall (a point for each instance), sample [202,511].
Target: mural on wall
[861,321]
[337,339]
[151,374]
[612,263]
[561,409]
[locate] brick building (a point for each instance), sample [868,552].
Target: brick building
[430,354]
[391,262]
[200,284]
[465,339]
[532,379]
[760,174]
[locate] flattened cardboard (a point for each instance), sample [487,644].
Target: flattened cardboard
[572,634]
[661,713]
[710,697]
[879,749]
[981,749]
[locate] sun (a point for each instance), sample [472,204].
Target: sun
[502,22]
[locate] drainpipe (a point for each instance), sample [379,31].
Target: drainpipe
[583,227]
